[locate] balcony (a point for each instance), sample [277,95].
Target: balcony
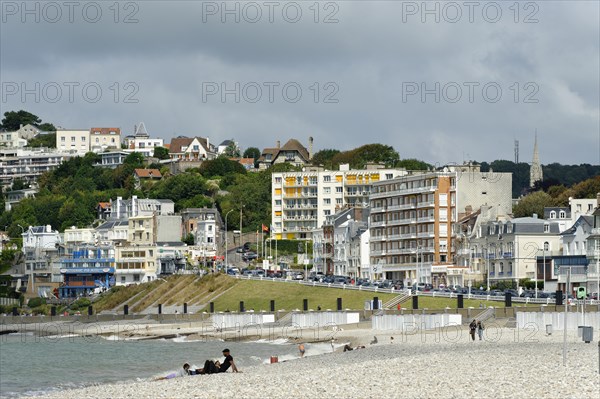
[378,238]
[379,252]
[426,219]
[379,209]
[381,223]
[408,235]
[426,204]
[402,207]
[426,234]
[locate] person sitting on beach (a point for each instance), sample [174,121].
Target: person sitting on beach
[210,367]
[301,349]
[228,362]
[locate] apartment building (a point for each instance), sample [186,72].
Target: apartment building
[337,245]
[27,164]
[301,201]
[73,141]
[414,218]
[86,269]
[41,248]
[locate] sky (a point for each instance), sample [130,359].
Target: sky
[443,82]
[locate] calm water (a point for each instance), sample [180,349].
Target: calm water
[33,365]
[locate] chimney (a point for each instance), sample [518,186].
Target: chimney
[207,144]
[278,144]
[597,199]
[535,216]
[310,148]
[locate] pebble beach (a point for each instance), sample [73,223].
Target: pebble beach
[508,363]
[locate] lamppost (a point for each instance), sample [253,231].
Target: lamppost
[487,262]
[226,263]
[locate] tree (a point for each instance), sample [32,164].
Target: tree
[324,157]
[232,150]
[252,152]
[13,120]
[360,156]
[413,164]
[43,140]
[161,153]
[533,203]
[220,167]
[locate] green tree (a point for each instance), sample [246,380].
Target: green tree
[14,119]
[413,164]
[179,188]
[325,158]
[221,167]
[360,156]
[533,203]
[252,152]
[161,153]
[232,150]
[18,184]
[43,140]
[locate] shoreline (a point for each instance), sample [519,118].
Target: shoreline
[508,363]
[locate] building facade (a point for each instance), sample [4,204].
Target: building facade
[301,201]
[414,221]
[73,141]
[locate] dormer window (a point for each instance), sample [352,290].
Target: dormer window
[509,228]
[553,215]
[546,228]
[562,215]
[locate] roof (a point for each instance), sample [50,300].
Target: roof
[584,219]
[148,173]
[105,130]
[557,210]
[266,151]
[226,143]
[294,145]
[140,130]
[104,205]
[112,224]
[178,143]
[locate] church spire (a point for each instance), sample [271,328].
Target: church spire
[535,172]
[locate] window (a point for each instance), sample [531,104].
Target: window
[546,228]
[443,215]
[389,176]
[553,215]
[136,278]
[277,202]
[338,201]
[546,246]
[123,279]
[327,190]
[338,190]
[278,180]
[313,180]
[83,139]
[326,179]
[62,139]
[327,201]
[562,214]
[443,230]
[443,199]
[327,212]
[73,139]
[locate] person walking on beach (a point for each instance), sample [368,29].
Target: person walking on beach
[480,329]
[301,349]
[228,362]
[472,328]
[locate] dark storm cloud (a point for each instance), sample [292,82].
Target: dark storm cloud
[366,61]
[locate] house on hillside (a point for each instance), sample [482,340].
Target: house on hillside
[190,152]
[103,138]
[141,175]
[292,152]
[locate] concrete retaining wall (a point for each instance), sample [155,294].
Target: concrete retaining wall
[324,319]
[539,320]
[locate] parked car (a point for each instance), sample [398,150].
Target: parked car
[248,256]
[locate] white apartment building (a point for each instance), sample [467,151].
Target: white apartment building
[19,138]
[73,141]
[302,200]
[581,207]
[414,219]
[135,264]
[27,164]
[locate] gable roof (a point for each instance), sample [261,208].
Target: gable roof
[267,151]
[294,145]
[105,130]
[584,219]
[147,173]
[179,142]
[104,205]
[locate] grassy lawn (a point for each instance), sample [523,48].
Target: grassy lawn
[258,294]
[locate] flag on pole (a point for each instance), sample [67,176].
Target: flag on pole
[265,228]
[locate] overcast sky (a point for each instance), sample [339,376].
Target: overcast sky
[368,72]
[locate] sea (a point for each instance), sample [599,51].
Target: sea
[33,365]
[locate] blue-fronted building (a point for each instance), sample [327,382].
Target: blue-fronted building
[86,270]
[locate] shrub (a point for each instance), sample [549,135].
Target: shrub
[81,303]
[35,302]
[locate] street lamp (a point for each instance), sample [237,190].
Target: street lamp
[544,249]
[226,263]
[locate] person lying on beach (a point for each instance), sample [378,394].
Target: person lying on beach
[347,347]
[183,372]
[210,367]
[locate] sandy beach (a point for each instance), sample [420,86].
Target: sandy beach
[508,363]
